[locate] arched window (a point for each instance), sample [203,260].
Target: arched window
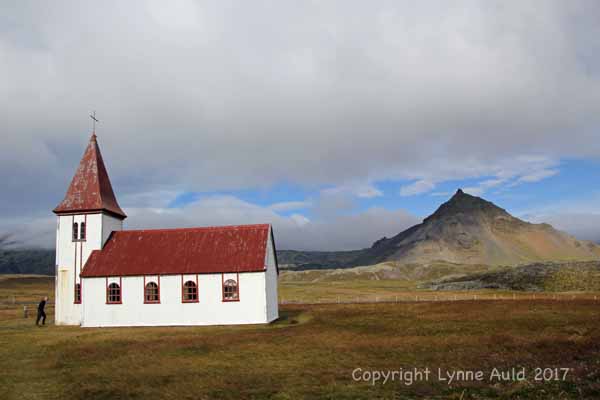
[75,231]
[113,293]
[78,293]
[151,294]
[230,290]
[82,231]
[190,292]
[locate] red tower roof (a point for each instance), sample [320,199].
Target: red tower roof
[90,189]
[220,249]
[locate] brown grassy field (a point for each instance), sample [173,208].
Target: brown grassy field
[310,353]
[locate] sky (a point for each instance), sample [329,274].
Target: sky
[339,122]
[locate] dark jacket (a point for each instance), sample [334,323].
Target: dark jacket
[41,306]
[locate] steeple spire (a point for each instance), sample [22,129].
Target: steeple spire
[90,188]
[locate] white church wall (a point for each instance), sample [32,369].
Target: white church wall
[71,257]
[272,302]
[209,310]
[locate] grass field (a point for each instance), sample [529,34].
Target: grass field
[310,353]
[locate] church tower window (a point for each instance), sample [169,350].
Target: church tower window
[78,293]
[82,231]
[75,231]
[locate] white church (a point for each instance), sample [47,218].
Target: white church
[107,276]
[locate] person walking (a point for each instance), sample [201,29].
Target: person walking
[41,314]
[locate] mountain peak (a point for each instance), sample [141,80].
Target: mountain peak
[464,203]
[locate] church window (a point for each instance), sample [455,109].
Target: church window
[151,293]
[190,292]
[113,293]
[82,231]
[75,231]
[78,293]
[230,290]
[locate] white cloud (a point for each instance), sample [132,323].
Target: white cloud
[251,95]
[417,187]
[474,191]
[581,225]
[330,232]
[333,232]
[290,205]
[361,190]
[300,219]
[579,217]
[537,176]
[510,173]
[368,192]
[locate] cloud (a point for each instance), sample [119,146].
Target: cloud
[417,187]
[299,219]
[290,205]
[332,232]
[579,217]
[538,175]
[520,170]
[474,191]
[581,225]
[361,190]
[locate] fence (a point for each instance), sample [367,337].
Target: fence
[370,299]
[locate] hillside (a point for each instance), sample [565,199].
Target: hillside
[33,261]
[555,277]
[301,260]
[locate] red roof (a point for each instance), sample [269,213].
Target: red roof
[90,189]
[181,251]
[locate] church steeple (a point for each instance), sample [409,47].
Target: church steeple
[90,188]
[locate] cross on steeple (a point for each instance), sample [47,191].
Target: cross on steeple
[93,116]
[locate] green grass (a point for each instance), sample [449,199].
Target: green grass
[310,353]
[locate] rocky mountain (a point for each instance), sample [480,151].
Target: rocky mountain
[470,230]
